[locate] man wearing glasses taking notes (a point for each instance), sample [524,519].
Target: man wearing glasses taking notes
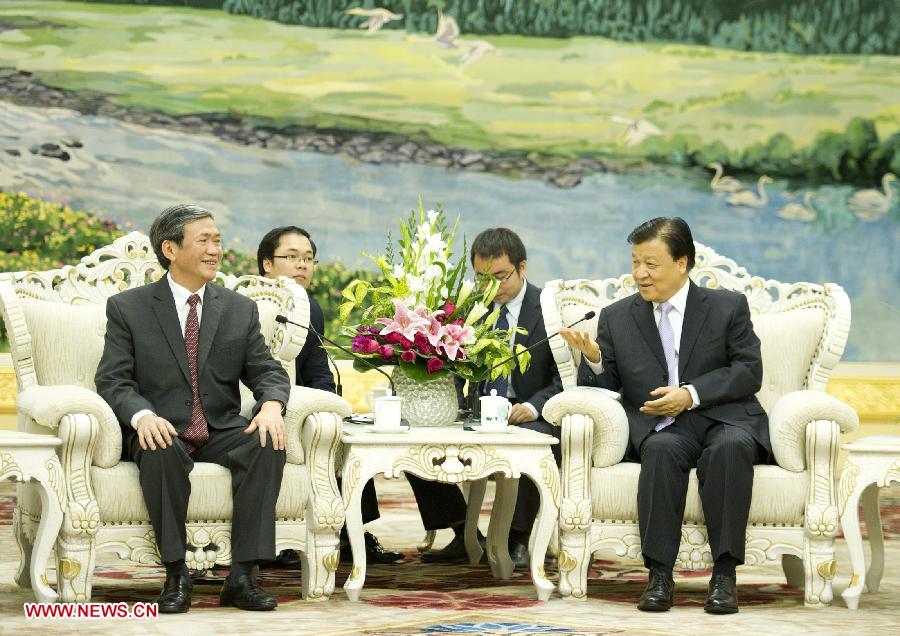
[290,251]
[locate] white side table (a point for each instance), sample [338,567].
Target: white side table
[451,455]
[873,463]
[24,457]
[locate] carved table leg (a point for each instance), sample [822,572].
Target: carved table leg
[850,524]
[544,524]
[498,531]
[872,516]
[473,510]
[47,532]
[354,524]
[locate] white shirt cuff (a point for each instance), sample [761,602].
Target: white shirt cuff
[694,397]
[137,416]
[596,367]
[531,408]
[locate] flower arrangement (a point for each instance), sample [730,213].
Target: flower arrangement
[427,317]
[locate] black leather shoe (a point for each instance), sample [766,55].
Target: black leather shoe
[286,559]
[453,552]
[176,595]
[658,594]
[375,552]
[518,552]
[722,597]
[246,594]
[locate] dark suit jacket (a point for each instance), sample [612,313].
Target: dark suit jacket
[311,363]
[541,381]
[144,363]
[719,355]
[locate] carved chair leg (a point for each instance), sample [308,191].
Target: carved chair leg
[793,569]
[74,568]
[574,561]
[320,562]
[819,567]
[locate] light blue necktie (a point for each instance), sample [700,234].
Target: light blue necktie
[667,336]
[501,383]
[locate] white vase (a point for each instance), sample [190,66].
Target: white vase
[429,403]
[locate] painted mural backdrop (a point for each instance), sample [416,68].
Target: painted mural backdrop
[772,127]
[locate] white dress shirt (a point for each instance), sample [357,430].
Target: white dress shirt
[513,309]
[676,319]
[183,308]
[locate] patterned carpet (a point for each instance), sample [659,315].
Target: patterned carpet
[409,598]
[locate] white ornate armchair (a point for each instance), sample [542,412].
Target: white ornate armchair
[56,323]
[793,513]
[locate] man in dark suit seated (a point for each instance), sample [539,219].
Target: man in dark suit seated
[290,251]
[688,365]
[500,252]
[174,356]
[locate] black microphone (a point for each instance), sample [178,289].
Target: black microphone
[283,319]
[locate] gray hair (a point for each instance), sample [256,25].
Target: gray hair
[169,226]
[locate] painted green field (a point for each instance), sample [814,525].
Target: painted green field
[532,93]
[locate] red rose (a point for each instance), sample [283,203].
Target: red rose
[372,346]
[435,365]
[387,352]
[458,321]
[395,337]
[408,356]
[406,344]
[449,308]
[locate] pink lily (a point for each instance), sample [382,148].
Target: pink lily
[404,322]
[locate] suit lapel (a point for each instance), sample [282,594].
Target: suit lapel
[528,316]
[209,322]
[695,311]
[167,316]
[642,312]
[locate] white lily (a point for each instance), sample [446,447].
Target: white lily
[465,291]
[478,312]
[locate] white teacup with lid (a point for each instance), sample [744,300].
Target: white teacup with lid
[495,411]
[387,411]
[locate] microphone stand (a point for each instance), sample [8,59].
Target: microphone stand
[284,319]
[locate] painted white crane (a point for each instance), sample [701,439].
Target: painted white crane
[638,130]
[377,17]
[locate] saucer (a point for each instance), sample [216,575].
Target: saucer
[388,429]
[490,429]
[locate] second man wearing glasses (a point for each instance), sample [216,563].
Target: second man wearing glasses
[290,251]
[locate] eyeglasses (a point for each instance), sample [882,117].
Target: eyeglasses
[502,278]
[293,259]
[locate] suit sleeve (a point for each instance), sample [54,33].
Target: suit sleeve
[608,378]
[540,397]
[115,374]
[741,378]
[312,361]
[262,373]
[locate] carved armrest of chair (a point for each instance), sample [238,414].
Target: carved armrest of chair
[315,418]
[594,433]
[805,428]
[91,437]
[793,420]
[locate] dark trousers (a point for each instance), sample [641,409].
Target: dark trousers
[368,504]
[724,456]
[256,474]
[443,505]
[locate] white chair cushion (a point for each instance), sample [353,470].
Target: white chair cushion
[67,341]
[789,340]
[120,498]
[779,496]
